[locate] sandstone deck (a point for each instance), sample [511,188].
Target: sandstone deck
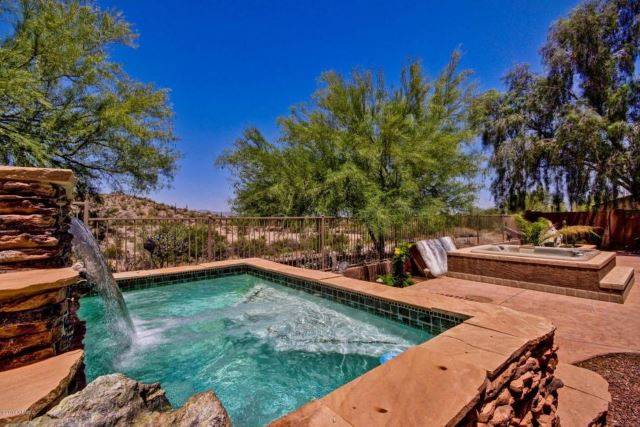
[25,283]
[585,328]
[27,391]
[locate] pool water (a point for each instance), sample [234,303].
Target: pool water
[263,348]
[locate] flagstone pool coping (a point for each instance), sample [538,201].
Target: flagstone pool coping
[434,383]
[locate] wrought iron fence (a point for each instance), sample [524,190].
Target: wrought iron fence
[321,243]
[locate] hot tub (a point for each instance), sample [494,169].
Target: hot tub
[574,254]
[567,271]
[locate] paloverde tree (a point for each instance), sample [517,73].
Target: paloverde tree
[365,150]
[573,130]
[64,103]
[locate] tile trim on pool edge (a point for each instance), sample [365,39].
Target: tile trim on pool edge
[434,322]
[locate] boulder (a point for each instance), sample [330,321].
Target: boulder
[502,416]
[202,409]
[115,400]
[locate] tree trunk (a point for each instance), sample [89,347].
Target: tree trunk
[378,242]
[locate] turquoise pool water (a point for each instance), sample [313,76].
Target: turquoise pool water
[263,348]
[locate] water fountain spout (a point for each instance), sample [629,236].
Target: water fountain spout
[117,316]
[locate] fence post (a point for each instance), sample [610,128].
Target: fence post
[503,226]
[322,250]
[209,240]
[85,212]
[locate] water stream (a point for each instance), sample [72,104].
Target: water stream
[117,318]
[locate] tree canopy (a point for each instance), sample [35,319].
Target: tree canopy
[363,149]
[573,130]
[65,103]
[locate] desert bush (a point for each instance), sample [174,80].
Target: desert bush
[245,247]
[572,233]
[180,241]
[110,252]
[283,246]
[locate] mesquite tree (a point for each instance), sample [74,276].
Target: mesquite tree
[65,103]
[362,149]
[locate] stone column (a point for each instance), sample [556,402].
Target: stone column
[34,217]
[38,296]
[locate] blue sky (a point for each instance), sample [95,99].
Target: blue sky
[232,64]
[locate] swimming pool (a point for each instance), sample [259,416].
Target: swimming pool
[263,347]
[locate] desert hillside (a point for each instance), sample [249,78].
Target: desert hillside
[119,205]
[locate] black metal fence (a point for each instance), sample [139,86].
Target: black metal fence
[313,242]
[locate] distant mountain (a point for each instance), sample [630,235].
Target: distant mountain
[119,205]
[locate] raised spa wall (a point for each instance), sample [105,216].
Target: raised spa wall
[40,333]
[583,279]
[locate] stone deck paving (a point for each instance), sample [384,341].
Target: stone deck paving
[586,328]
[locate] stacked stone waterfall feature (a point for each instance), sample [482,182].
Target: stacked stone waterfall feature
[34,218]
[40,333]
[525,392]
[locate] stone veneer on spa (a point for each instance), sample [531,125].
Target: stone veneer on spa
[432,321]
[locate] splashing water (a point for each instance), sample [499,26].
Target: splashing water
[116,315]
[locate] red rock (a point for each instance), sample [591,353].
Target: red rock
[10,330]
[527,420]
[502,416]
[25,206]
[531,364]
[518,385]
[34,301]
[496,385]
[505,398]
[535,380]
[27,221]
[14,346]
[26,240]
[545,420]
[26,358]
[487,411]
[39,189]
[26,255]
[537,405]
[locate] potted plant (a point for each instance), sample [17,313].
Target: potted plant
[399,276]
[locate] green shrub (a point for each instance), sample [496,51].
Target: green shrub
[180,241]
[110,252]
[398,277]
[533,233]
[245,247]
[572,233]
[386,279]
